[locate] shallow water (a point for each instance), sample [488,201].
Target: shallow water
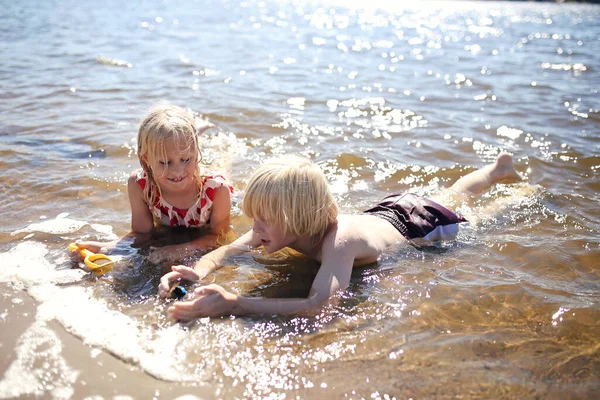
[386,96]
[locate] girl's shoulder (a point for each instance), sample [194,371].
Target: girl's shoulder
[215,181]
[211,184]
[139,176]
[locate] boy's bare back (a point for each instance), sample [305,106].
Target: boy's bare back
[366,236]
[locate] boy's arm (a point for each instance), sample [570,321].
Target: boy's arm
[209,262]
[334,275]
[215,258]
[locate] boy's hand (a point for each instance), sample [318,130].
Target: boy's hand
[211,301]
[179,272]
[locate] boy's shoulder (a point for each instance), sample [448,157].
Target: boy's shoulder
[362,236]
[354,236]
[348,227]
[364,227]
[352,222]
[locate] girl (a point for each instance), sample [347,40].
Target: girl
[170,189]
[292,206]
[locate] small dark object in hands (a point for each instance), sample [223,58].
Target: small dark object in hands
[178,293]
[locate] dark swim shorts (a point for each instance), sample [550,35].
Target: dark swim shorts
[417,217]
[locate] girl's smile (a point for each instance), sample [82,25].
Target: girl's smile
[175,166]
[177,180]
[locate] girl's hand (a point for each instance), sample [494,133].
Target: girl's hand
[167,254]
[161,255]
[211,301]
[179,272]
[94,247]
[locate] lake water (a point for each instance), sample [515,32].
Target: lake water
[386,96]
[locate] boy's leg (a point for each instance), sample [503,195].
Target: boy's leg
[502,170]
[484,178]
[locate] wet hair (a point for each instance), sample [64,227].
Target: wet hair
[292,193]
[165,121]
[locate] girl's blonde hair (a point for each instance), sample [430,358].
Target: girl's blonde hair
[292,193]
[162,122]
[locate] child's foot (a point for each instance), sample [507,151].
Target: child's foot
[503,170]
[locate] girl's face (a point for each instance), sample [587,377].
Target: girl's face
[271,236]
[174,170]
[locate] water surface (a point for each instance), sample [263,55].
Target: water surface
[385,96]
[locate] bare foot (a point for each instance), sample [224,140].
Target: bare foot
[503,170]
[482,179]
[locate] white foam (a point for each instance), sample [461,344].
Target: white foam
[62,225]
[25,266]
[39,368]
[165,350]
[97,325]
[74,306]
[59,225]
[106,230]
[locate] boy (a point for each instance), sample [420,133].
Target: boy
[292,206]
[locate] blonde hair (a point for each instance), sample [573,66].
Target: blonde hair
[162,122]
[292,193]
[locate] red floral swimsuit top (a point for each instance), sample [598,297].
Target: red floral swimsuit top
[196,216]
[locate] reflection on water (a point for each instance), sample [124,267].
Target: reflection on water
[385,97]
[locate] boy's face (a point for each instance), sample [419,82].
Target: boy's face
[271,236]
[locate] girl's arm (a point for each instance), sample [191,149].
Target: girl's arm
[219,219]
[141,218]
[219,225]
[141,223]
[334,275]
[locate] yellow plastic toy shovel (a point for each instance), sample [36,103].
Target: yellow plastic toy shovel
[99,263]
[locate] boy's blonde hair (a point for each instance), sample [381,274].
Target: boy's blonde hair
[162,122]
[292,193]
